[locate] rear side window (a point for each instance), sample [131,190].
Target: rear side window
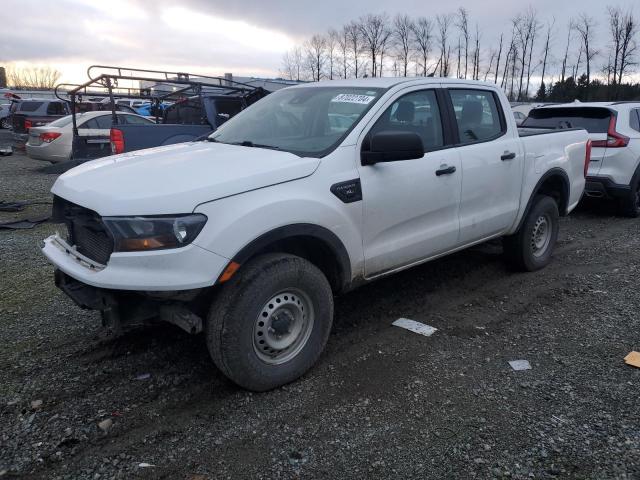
[56,108]
[133,120]
[592,119]
[29,106]
[635,119]
[186,112]
[416,112]
[477,115]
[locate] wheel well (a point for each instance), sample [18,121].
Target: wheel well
[556,187]
[314,250]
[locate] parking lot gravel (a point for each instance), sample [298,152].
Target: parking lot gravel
[383,402]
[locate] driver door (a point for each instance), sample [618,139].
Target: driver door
[411,207]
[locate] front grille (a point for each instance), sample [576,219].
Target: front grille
[85,230]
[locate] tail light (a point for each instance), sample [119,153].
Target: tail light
[614,139]
[27,125]
[117,141]
[49,137]
[587,157]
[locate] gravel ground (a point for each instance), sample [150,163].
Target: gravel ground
[382,402]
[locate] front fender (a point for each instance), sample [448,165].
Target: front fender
[293,208]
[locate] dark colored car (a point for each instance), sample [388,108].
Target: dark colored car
[27,113]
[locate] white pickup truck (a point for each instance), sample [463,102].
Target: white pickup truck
[310,192]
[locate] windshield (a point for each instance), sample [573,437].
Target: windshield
[307,121]
[61,122]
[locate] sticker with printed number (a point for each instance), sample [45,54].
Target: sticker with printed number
[353,98]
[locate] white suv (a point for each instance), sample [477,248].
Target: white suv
[309,192]
[614,129]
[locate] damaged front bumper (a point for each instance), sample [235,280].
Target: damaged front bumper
[185,268]
[123,310]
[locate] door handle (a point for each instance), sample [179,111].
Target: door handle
[508,156]
[444,170]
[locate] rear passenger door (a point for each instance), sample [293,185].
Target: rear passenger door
[492,162]
[410,208]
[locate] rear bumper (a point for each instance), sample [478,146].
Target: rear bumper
[186,268]
[605,187]
[41,153]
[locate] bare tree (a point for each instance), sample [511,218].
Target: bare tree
[331,46]
[355,44]
[545,51]
[615,29]
[629,45]
[374,32]
[288,70]
[444,23]
[423,35]
[526,27]
[343,47]
[495,80]
[462,22]
[316,56]
[565,59]
[38,78]
[403,31]
[586,29]
[386,42]
[476,55]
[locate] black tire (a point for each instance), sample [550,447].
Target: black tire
[4,123]
[629,206]
[233,322]
[523,250]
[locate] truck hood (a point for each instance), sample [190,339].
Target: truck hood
[176,178]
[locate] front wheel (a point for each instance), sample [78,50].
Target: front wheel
[530,248]
[270,322]
[4,123]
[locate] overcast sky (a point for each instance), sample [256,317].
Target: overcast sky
[246,37]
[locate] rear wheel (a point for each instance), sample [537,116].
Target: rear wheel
[270,322]
[630,204]
[531,247]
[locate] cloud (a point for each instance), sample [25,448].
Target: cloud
[215,36]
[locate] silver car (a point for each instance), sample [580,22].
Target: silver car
[53,142]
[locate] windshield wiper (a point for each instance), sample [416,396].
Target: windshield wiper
[249,143]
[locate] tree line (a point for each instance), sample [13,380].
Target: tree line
[29,78]
[564,60]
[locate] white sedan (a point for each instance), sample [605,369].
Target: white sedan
[53,142]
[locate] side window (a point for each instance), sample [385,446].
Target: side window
[103,122]
[29,106]
[635,119]
[133,120]
[55,108]
[477,115]
[416,112]
[91,123]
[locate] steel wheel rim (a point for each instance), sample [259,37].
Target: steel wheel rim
[283,326]
[541,236]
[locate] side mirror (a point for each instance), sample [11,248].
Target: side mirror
[389,146]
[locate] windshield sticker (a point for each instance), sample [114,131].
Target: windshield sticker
[353,98]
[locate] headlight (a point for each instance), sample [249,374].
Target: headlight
[133,234]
